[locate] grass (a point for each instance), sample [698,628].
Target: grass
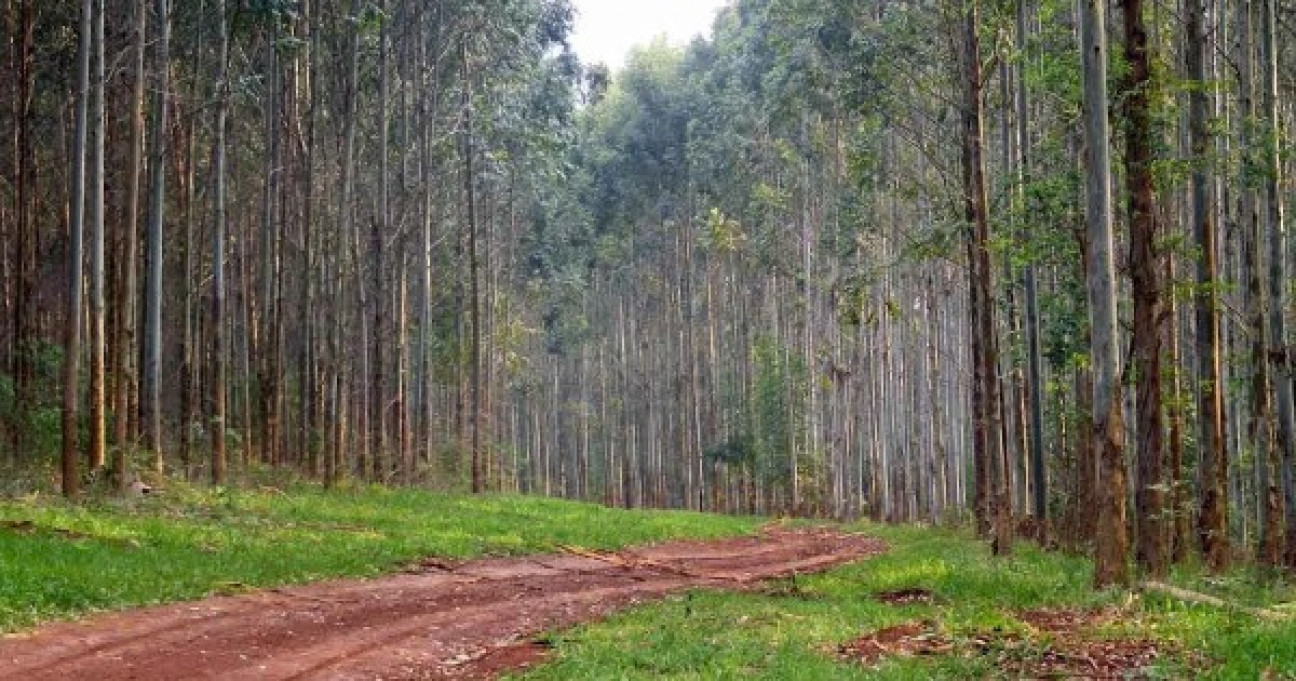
[791,631]
[60,560]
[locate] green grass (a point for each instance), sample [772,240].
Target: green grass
[792,631]
[187,543]
[60,560]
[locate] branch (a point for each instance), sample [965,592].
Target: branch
[1206,599]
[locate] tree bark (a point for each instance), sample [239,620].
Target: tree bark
[1145,270]
[98,340]
[1107,454]
[1212,519]
[219,366]
[1276,228]
[129,277]
[986,363]
[152,398]
[76,235]
[474,294]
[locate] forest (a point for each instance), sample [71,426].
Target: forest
[1023,264]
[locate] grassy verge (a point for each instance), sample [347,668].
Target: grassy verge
[792,630]
[59,560]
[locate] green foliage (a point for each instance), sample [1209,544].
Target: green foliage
[187,542]
[778,409]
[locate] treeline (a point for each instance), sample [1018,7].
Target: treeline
[907,259]
[913,260]
[271,232]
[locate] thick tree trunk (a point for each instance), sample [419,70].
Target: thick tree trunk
[986,363]
[1145,270]
[1112,543]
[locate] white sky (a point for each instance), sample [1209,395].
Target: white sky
[607,29]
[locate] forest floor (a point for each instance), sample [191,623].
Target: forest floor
[440,619]
[364,582]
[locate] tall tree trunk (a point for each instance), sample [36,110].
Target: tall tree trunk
[128,281]
[474,293]
[1112,543]
[345,219]
[1260,420]
[1145,270]
[378,232]
[219,366]
[986,365]
[98,341]
[1039,479]
[267,336]
[152,398]
[1212,520]
[25,307]
[76,234]
[1276,228]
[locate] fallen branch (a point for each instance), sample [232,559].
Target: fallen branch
[1207,599]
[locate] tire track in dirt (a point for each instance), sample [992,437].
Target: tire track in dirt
[443,621]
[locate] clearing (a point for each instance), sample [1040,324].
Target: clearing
[440,619]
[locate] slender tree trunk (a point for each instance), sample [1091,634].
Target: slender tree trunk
[1275,226]
[98,340]
[152,408]
[1212,520]
[219,367]
[25,307]
[345,219]
[76,226]
[1112,546]
[1180,516]
[381,227]
[266,342]
[473,276]
[1039,479]
[128,283]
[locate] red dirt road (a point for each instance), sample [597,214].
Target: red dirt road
[471,620]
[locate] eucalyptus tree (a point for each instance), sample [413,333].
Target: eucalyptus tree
[219,369]
[76,266]
[126,299]
[98,330]
[1149,291]
[1108,442]
[1275,226]
[1212,472]
[151,391]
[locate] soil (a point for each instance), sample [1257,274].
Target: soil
[1061,644]
[440,620]
[906,597]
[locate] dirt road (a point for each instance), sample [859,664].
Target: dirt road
[470,620]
